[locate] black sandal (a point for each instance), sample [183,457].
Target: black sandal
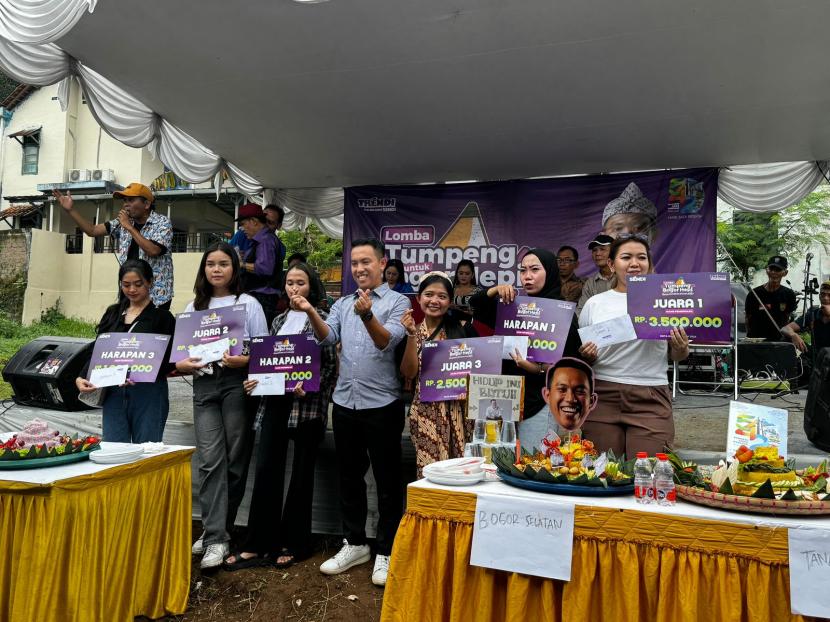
[284,553]
[241,562]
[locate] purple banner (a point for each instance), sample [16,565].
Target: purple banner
[543,321]
[198,327]
[700,303]
[143,352]
[296,356]
[434,227]
[446,364]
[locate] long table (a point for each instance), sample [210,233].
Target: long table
[630,562]
[96,542]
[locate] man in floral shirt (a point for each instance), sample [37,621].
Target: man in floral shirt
[139,232]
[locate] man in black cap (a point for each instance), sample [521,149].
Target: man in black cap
[770,306]
[601,281]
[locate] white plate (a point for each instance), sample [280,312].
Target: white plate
[120,449]
[455,481]
[94,457]
[453,467]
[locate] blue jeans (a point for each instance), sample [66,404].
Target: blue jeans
[136,413]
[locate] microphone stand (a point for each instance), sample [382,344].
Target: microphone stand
[807,304]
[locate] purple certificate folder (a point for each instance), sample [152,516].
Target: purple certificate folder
[543,321]
[143,352]
[700,303]
[446,364]
[296,356]
[198,327]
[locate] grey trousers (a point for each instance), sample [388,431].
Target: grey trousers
[222,420]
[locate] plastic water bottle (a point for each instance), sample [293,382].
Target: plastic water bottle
[664,491]
[643,484]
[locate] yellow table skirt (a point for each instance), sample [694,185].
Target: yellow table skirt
[627,565]
[108,546]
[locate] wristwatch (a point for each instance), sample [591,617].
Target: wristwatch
[367,316]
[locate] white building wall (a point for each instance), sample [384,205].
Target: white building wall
[37,110]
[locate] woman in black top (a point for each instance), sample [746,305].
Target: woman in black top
[135,412]
[539,274]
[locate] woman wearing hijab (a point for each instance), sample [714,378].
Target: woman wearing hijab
[539,275]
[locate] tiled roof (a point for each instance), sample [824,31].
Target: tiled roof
[18,210]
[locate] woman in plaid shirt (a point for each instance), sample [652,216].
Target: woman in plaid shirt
[302,417]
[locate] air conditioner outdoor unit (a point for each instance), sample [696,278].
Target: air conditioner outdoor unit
[103,174]
[79,174]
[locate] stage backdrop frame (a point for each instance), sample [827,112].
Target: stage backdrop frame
[432,227]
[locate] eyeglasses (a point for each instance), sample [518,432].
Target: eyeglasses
[633,236]
[565,260]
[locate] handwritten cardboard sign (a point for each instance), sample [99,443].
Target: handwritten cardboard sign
[530,536]
[809,571]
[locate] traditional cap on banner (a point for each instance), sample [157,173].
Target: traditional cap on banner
[600,240]
[631,201]
[777,261]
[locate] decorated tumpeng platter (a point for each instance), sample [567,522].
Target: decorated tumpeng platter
[569,466]
[757,481]
[38,446]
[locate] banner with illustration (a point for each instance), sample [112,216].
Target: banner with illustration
[699,303]
[142,352]
[197,329]
[433,227]
[296,356]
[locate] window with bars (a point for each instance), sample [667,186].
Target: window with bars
[31,151]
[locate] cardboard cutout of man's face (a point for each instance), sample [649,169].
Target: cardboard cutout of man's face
[569,397]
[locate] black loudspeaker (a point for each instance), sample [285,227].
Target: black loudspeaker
[43,372]
[779,357]
[817,408]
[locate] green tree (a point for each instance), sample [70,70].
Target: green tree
[750,239]
[7,85]
[321,250]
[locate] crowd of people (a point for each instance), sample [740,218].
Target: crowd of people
[618,395]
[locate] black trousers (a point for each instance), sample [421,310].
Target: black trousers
[272,524]
[362,437]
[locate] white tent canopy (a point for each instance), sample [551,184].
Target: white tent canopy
[303,98]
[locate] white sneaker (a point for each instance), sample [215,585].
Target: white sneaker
[198,547]
[381,570]
[215,554]
[350,555]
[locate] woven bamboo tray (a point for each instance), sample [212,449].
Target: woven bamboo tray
[741,503]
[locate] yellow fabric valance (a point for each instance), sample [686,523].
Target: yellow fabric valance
[627,565]
[107,546]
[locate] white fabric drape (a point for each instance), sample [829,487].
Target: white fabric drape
[321,206]
[40,21]
[769,187]
[132,123]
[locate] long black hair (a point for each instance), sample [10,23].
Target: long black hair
[316,291]
[203,289]
[451,324]
[471,266]
[115,311]
[398,265]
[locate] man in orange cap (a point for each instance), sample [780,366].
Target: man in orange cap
[139,232]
